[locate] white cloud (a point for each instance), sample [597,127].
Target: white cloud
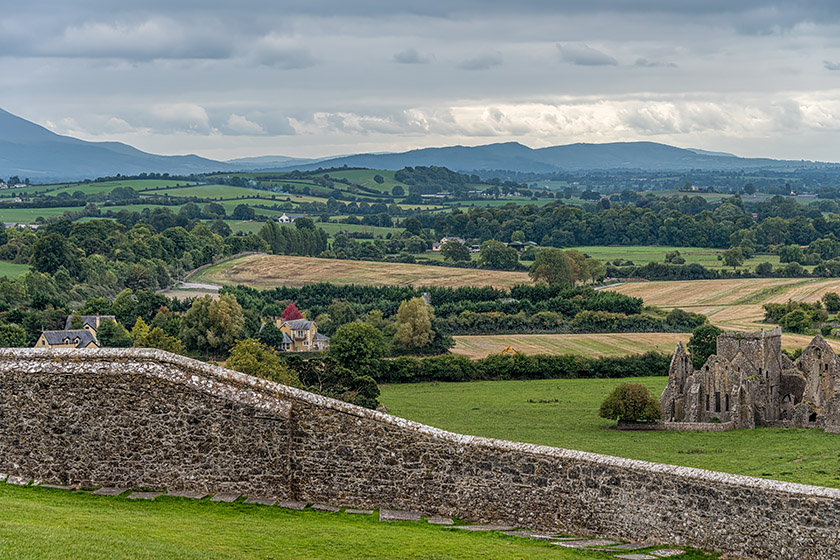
[833,66]
[237,124]
[179,117]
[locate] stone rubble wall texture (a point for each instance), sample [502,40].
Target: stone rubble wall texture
[148,419]
[749,382]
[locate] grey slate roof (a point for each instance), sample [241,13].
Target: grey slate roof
[299,324]
[319,336]
[84,337]
[88,320]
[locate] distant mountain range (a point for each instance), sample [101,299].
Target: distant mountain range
[512,156]
[30,150]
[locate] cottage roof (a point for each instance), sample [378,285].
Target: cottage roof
[299,324]
[80,337]
[319,336]
[89,320]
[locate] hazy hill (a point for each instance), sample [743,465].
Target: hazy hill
[30,150]
[513,156]
[269,162]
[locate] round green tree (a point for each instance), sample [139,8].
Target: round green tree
[630,402]
[357,346]
[553,267]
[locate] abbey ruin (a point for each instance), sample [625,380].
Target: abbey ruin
[750,382]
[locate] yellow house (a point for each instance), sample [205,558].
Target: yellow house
[300,335]
[77,338]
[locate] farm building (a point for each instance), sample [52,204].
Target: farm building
[300,335]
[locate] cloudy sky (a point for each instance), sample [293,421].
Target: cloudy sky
[312,78]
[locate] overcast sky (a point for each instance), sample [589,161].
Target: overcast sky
[312,78]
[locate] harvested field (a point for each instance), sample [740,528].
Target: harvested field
[730,304]
[594,345]
[269,271]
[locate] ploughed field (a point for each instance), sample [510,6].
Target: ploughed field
[269,271]
[42,523]
[564,413]
[730,304]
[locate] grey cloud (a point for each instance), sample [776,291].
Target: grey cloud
[829,65]
[583,55]
[483,62]
[411,56]
[149,39]
[281,52]
[645,63]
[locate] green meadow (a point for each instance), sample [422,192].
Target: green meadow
[641,255]
[564,413]
[42,523]
[12,270]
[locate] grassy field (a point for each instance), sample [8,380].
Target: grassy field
[212,191]
[40,523]
[609,344]
[730,304]
[564,413]
[268,271]
[641,255]
[28,215]
[365,177]
[12,270]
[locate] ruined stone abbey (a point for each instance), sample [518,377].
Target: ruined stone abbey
[750,382]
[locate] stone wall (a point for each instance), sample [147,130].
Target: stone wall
[143,418]
[677,426]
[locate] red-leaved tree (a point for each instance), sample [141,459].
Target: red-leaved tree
[291,313]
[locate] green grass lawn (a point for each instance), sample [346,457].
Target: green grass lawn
[28,215]
[211,191]
[12,270]
[569,419]
[38,523]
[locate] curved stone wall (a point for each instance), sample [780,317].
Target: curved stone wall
[146,418]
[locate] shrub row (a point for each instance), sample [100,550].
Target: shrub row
[452,367]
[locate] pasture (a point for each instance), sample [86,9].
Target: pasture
[269,271]
[641,255]
[12,270]
[43,523]
[564,413]
[730,304]
[213,191]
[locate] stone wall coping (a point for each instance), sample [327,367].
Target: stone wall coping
[271,389]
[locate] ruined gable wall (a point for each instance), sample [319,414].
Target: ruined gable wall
[148,418]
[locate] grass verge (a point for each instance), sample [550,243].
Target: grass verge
[41,523]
